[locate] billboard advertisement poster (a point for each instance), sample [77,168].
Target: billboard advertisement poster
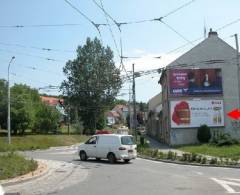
[186,82]
[194,113]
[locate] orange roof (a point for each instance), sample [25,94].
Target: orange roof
[119,107]
[113,114]
[51,100]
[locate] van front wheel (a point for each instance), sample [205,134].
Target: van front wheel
[83,156]
[126,160]
[111,157]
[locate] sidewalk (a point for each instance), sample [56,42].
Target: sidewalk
[60,175]
[161,146]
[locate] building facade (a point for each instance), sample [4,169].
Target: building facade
[154,119]
[200,87]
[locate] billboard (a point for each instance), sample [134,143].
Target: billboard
[186,82]
[194,113]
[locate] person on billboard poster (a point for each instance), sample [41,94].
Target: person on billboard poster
[191,81]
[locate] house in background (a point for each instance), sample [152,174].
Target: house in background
[154,119]
[113,118]
[200,87]
[122,110]
[55,102]
[117,115]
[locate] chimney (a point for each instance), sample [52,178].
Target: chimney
[212,33]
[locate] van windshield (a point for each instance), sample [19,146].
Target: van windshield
[127,140]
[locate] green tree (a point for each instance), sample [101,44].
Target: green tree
[92,82]
[3,104]
[47,118]
[24,103]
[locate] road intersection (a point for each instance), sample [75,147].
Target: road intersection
[69,175]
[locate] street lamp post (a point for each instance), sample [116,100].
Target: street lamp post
[9,116]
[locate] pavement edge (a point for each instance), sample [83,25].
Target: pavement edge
[39,172]
[186,163]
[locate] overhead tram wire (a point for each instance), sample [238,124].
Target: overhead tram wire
[118,26]
[87,18]
[155,19]
[36,48]
[34,68]
[174,30]
[30,55]
[202,37]
[38,25]
[77,24]
[110,29]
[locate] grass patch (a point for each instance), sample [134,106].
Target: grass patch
[32,142]
[13,165]
[232,151]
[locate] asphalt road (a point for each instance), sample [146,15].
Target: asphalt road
[140,177]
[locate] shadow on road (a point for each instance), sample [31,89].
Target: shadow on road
[98,163]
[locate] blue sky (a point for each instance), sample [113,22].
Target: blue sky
[146,39]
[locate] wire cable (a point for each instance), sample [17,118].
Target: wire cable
[86,17]
[179,34]
[34,47]
[30,55]
[38,25]
[109,27]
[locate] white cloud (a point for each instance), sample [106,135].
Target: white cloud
[147,86]
[149,61]
[139,51]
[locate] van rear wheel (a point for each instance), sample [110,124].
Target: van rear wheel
[83,156]
[111,157]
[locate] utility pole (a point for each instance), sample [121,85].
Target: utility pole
[134,104]
[238,68]
[129,109]
[9,105]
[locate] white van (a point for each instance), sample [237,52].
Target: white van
[109,146]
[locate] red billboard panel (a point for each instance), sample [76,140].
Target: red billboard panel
[185,82]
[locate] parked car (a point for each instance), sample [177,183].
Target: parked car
[110,146]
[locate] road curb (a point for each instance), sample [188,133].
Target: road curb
[39,172]
[185,163]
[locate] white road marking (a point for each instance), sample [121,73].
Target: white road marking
[226,184]
[1,190]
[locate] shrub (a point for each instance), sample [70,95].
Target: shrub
[193,157]
[203,134]
[161,155]
[198,158]
[204,160]
[213,161]
[154,153]
[170,155]
[185,157]
[224,139]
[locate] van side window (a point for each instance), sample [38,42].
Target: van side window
[127,140]
[92,140]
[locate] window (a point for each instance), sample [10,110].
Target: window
[127,140]
[92,140]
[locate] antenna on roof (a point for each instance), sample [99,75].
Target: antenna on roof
[205,29]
